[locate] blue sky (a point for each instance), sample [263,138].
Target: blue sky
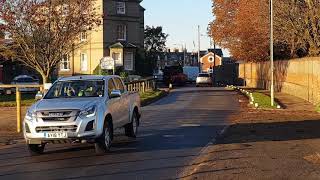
[179,19]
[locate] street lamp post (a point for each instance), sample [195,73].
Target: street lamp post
[199,48]
[271,54]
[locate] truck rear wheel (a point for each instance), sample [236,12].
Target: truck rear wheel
[103,144]
[131,129]
[36,149]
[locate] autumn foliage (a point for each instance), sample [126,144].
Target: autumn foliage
[243,28]
[44,31]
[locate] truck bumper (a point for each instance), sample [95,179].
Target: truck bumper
[81,129]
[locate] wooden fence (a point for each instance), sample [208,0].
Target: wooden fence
[143,85]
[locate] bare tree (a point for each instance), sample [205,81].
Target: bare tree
[44,31]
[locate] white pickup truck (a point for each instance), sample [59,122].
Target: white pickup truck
[83,109]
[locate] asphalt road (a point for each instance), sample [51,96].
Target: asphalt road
[172,133]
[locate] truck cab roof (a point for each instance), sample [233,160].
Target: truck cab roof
[87,77]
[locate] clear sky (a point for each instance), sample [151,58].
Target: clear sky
[179,19]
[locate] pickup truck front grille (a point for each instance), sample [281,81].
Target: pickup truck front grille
[58,115]
[70,128]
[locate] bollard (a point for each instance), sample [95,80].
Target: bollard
[18,100]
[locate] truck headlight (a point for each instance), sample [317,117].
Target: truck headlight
[89,112]
[30,116]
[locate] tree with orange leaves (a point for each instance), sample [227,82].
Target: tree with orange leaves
[242,27]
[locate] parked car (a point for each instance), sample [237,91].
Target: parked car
[25,80]
[158,75]
[2,90]
[84,109]
[174,75]
[204,79]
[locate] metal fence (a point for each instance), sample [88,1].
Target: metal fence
[18,99]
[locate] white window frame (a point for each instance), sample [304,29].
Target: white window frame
[125,61]
[83,36]
[121,32]
[83,62]
[118,62]
[65,59]
[121,7]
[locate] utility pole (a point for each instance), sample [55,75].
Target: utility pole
[214,61]
[199,48]
[271,54]
[184,54]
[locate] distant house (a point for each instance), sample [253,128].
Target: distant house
[216,51]
[209,61]
[176,58]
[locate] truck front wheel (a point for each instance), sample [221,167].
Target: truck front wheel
[103,144]
[36,149]
[131,129]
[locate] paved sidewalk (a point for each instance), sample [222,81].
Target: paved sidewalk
[264,144]
[293,103]
[8,125]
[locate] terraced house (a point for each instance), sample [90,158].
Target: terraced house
[120,36]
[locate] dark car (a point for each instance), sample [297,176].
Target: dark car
[174,75]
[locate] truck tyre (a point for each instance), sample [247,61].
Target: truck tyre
[131,129]
[36,149]
[103,143]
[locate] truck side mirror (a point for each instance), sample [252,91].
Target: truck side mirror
[39,95]
[115,94]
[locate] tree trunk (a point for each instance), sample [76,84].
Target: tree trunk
[44,78]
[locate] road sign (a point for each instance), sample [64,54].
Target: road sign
[107,63]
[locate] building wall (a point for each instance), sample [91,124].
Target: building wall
[206,64]
[299,77]
[99,39]
[133,19]
[93,47]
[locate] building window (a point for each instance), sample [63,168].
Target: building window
[117,58]
[83,36]
[122,32]
[121,7]
[84,62]
[65,63]
[128,61]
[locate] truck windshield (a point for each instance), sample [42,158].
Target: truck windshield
[78,88]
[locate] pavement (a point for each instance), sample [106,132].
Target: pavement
[173,132]
[264,144]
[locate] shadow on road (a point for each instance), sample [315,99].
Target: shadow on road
[274,131]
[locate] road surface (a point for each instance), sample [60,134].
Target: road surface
[173,131]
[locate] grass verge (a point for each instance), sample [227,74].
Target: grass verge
[10,100]
[151,96]
[263,100]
